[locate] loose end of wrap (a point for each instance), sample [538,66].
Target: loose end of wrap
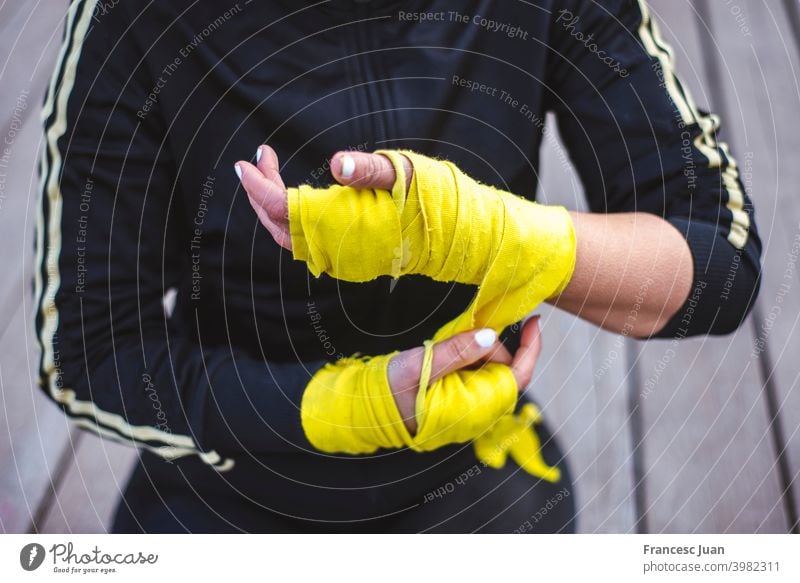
[399,186]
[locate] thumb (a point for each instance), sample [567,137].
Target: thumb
[463,350]
[365,170]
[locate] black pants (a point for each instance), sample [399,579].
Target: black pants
[491,501]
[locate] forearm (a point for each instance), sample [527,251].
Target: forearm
[633,272]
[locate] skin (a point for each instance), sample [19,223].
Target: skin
[633,272]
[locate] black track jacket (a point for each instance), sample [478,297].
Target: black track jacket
[152,102]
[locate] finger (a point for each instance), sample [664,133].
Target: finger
[269,200]
[500,355]
[264,193]
[267,163]
[365,170]
[528,353]
[462,350]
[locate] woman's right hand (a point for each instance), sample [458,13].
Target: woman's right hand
[267,192]
[469,349]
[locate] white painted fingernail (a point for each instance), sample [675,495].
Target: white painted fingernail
[258,155]
[238,170]
[348,166]
[486,337]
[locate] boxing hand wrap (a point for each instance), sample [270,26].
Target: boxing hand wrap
[450,228]
[348,407]
[514,435]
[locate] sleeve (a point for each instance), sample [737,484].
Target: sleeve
[106,251]
[639,143]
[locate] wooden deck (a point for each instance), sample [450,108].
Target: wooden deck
[702,439]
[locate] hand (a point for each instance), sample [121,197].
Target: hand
[267,192]
[466,350]
[268,196]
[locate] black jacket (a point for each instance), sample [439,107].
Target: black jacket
[151,104]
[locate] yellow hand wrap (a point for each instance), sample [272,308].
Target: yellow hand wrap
[514,435]
[450,228]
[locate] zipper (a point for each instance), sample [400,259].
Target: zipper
[389,115]
[375,92]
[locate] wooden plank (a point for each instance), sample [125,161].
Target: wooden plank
[33,431]
[709,464]
[708,461]
[757,79]
[92,487]
[580,384]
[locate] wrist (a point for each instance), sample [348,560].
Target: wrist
[404,385]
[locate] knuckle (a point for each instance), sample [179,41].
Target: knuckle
[371,168]
[459,348]
[449,355]
[273,205]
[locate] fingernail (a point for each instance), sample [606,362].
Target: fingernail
[238,170]
[486,337]
[348,166]
[258,155]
